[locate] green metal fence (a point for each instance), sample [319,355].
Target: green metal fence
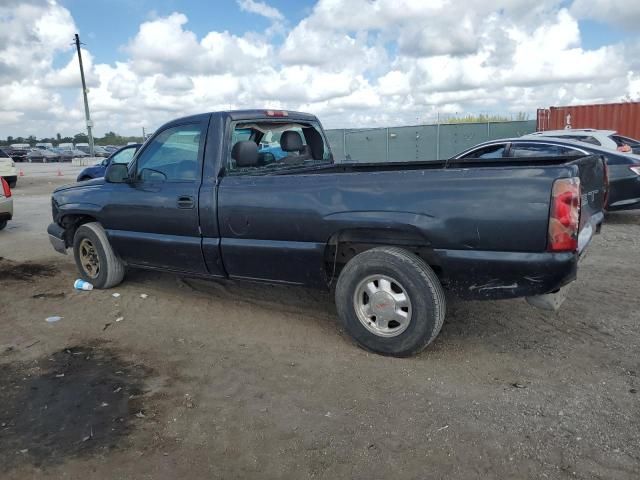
[419,142]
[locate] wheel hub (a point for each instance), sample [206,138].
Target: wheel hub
[382,305]
[89,258]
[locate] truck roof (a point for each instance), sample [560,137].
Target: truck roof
[253,114]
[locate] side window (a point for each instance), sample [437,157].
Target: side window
[541,150]
[492,151]
[124,156]
[172,156]
[584,138]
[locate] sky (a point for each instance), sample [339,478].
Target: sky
[354,63]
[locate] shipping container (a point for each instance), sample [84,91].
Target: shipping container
[621,117]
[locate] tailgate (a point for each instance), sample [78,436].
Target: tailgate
[592,171]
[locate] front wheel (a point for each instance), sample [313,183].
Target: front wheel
[390,301]
[3,224]
[95,259]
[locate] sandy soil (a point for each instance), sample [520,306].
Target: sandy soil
[229,380]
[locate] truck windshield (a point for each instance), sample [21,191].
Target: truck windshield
[281,145]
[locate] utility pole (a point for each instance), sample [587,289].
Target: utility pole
[84,94]
[144,136]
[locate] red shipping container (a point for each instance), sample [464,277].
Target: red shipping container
[621,117]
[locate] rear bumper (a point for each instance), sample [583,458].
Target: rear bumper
[57,238]
[481,275]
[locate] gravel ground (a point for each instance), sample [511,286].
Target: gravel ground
[234,380]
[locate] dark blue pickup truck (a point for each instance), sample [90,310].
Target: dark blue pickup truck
[201,199]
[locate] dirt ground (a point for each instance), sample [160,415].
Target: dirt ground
[232,380]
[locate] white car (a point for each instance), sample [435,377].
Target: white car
[609,139]
[8,169]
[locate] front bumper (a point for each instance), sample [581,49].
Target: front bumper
[57,238]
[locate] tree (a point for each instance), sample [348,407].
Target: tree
[58,137]
[80,138]
[9,139]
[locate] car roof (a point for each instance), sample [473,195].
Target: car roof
[574,131]
[552,141]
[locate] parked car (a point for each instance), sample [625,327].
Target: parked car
[8,169]
[98,151]
[390,237]
[111,148]
[6,203]
[124,156]
[624,168]
[609,139]
[42,156]
[66,155]
[44,146]
[18,151]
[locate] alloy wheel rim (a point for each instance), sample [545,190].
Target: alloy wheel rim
[89,258]
[382,305]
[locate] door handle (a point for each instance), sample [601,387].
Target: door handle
[185,202]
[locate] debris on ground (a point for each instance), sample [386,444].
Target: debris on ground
[53,319]
[106,325]
[115,295]
[80,284]
[518,385]
[119,319]
[143,295]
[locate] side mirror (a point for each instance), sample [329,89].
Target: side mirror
[117,173]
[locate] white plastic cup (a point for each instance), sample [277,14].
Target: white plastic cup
[82,285]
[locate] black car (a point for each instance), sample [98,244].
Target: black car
[18,154]
[624,168]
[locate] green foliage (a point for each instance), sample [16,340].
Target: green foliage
[484,118]
[110,138]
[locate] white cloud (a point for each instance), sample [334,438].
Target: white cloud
[353,63]
[260,8]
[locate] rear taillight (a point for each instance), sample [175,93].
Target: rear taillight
[635,169]
[564,219]
[277,113]
[5,187]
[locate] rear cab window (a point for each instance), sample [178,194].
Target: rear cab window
[277,146]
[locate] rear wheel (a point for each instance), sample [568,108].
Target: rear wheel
[3,223]
[95,259]
[390,301]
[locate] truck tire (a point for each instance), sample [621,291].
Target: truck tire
[3,223]
[95,259]
[390,301]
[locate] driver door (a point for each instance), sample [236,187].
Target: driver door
[153,220]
